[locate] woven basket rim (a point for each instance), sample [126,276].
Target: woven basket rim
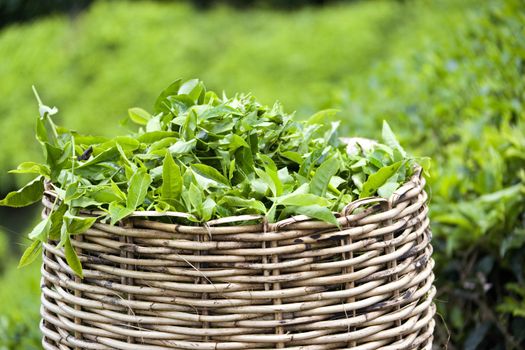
[297,221]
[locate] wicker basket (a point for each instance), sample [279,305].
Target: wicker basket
[296,284]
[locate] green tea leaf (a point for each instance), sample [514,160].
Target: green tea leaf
[153,136]
[323,117]
[32,168]
[323,175]
[293,156]
[127,144]
[181,147]
[138,189]
[118,212]
[56,218]
[217,112]
[303,199]
[41,131]
[210,173]
[139,116]
[162,104]
[163,144]
[390,139]
[242,203]
[271,170]
[234,142]
[317,212]
[193,88]
[267,179]
[389,187]
[207,209]
[30,254]
[109,154]
[378,179]
[231,169]
[56,158]
[73,192]
[425,163]
[41,231]
[195,196]
[29,194]
[171,179]
[77,224]
[154,124]
[72,258]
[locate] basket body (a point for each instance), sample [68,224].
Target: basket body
[296,284]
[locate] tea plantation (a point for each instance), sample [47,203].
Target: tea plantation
[447,75]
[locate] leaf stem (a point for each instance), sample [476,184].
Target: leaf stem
[37,96]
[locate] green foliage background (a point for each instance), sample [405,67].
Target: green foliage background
[94,68]
[447,75]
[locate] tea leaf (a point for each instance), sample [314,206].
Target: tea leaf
[139,116]
[389,187]
[29,194]
[323,175]
[30,254]
[106,155]
[293,156]
[317,212]
[77,224]
[303,199]
[41,131]
[73,192]
[32,168]
[57,217]
[41,231]
[171,179]
[208,208]
[138,189]
[378,179]
[153,136]
[268,180]
[162,104]
[271,170]
[390,139]
[118,212]
[242,203]
[72,258]
[153,124]
[181,147]
[210,173]
[323,116]
[193,88]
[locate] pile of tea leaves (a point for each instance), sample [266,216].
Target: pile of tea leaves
[207,157]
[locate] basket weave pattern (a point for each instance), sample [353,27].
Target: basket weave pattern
[295,284]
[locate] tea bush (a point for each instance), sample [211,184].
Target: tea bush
[460,99]
[19,308]
[4,248]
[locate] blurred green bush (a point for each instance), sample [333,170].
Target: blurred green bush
[97,66]
[4,249]
[460,98]
[19,318]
